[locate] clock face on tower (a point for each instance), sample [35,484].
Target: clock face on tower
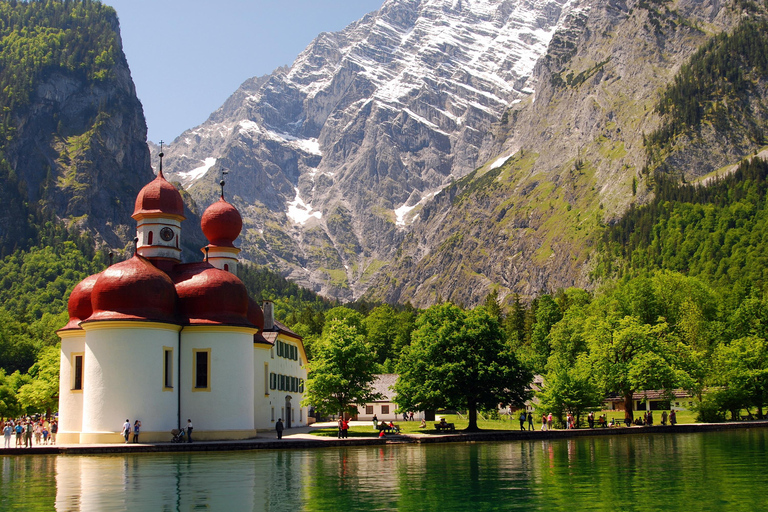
[166,234]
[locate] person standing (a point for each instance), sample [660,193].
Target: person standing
[549,421]
[19,428]
[279,428]
[136,429]
[28,430]
[7,435]
[375,421]
[543,422]
[664,418]
[339,425]
[189,430]
[672,417]
[126,430]
[530,420]
[591,419]
[54,431]
[344,429]
[522,420]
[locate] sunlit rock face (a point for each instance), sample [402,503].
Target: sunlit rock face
[331,159]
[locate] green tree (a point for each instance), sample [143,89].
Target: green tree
[628,355]
[42,394]
[459,359]
[341,375]
[742,368]
[569,388]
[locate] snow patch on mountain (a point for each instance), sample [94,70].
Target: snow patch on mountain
[189,177]
[300,212]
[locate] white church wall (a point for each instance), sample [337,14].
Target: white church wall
[70,400]
[124,379]
[223,409]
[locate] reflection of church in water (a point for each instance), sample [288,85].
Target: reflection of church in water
[161,341]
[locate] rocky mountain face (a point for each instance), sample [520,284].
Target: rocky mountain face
[75,131]
[439,149]
[331,160]
[566,160]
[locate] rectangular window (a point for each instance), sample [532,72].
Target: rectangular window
[77,371]
[301,385]
[279,349]
[272,381]
[167,369]
[281,385]
[201,371]
[384,409]
[368,409]
[273,414]
[266,378]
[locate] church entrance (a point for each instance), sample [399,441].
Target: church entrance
[288,412]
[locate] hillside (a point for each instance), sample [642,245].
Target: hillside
[573,158]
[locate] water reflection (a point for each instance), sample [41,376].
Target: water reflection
[702,471]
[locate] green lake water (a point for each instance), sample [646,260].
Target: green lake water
[701,472]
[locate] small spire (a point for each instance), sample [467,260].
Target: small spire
[160,172]
[222,188]
[206,253]
[111,257]
[135,245]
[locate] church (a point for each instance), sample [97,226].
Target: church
[160,341]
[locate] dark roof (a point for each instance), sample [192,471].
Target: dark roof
[651,394]
[283,329]
[384,384]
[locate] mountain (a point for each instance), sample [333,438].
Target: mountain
[575,155]
[441,149]
[73,147]
[331,159]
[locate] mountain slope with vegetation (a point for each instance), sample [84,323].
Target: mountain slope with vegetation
[573,158]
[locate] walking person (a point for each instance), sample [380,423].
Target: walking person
[339,425]
[522,420]
[344,429]
[136,429]
[126,430]
[375,421]
[54,431]
[279,428]
[530,420]
[549,421]
[591,419]
[672,417]
[664,418]
[189,430]
[543,422]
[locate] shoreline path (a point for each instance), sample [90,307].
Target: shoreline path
[302,438]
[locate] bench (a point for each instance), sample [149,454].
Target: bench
[445,428]
[389,430]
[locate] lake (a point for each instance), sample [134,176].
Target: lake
[704,471]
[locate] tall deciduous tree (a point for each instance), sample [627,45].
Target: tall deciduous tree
[341,375]
[42,394]
[458,359]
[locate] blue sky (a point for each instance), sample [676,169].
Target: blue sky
[188,56]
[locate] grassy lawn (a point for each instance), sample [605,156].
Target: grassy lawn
[461,422]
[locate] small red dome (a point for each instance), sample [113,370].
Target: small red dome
[221,223]
[158,197]
[209,296]
[79,305]
[134,290]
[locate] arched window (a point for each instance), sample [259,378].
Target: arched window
[149,238]
[226,267]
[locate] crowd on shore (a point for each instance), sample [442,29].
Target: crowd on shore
[28,432]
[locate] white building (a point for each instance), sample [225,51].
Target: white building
[160,341]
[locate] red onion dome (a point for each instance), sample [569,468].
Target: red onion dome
[158,197]
[221,223]
[134,290]
[210,296]
[79,304]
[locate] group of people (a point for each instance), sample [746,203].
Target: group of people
[127,429]
[25,430]
[526,417]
